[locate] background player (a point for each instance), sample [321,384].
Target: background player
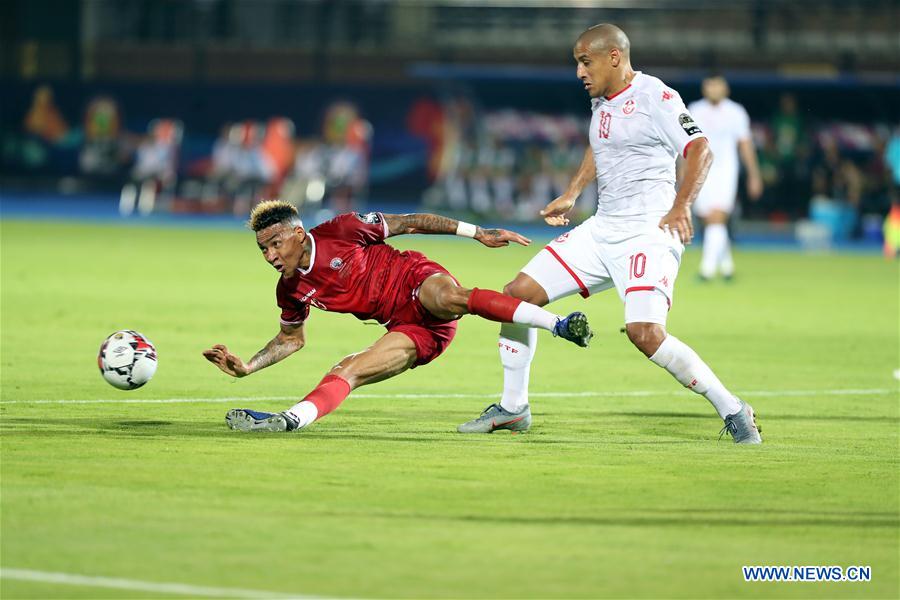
[344,266]
[635,240]
[727,127]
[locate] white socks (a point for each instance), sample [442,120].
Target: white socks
[533,315]
[517,345]
[305,412]
[716,251]
[688,368]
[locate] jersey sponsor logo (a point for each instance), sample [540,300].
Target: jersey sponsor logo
[605,122]
[368,218]
[308,295]
[667,95]
[687,123]
[628,108]
[336,263]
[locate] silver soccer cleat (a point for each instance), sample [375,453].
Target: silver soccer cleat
[742,426]
[244,419]
[496,417]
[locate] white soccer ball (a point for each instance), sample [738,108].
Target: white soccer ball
[127,359]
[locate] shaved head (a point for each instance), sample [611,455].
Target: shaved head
[603,55]
[604,37]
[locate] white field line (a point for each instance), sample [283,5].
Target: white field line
[180,589]
[596,394]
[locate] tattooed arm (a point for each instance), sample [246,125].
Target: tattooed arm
[428,223]
[290,339]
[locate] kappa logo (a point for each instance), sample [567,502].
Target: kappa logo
[562,238]
[336,263]
[628,108]
[667,95]
[664,281]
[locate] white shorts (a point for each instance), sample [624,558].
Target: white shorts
[588,260]
[717,193]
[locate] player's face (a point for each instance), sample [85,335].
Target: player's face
[282,247]
[715,89]
[594,69]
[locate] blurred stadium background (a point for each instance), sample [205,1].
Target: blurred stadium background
[178,115]
[199,107]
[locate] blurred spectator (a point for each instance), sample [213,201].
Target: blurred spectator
[426,120]
[155,168]
[101,153]
[248,170]
[44,120]
[305,187]
[788,130]
[277,151]
[349,138]
[892,158]
[836,190]
[892,221]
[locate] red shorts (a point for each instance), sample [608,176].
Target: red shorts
[430,334]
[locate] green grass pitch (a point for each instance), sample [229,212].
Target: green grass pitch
[621,489]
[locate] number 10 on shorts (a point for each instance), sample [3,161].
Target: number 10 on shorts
[637,264]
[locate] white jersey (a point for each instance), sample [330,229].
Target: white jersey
[636,135]
[725,124]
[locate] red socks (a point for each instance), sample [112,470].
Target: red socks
[493,305]
[329,394]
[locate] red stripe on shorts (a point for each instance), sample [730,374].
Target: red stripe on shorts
[584,291]
[646,288]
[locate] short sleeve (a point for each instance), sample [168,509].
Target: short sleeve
[293,312]
[672,120]
[363,228]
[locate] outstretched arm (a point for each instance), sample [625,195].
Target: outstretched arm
[290,339]
[428,223]
[555,212]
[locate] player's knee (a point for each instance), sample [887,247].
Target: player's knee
[453,299]
[526,289]
[646,337]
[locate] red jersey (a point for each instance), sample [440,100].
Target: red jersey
[352,270]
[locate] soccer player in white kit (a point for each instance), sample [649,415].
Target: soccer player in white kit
[635,240]
[727,128]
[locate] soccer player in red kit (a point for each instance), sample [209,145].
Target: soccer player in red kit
[344,266]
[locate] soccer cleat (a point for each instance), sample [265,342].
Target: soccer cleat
[244,419]
[574,328]
[496,417]
[742,426]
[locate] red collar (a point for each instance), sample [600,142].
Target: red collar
[619,92]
